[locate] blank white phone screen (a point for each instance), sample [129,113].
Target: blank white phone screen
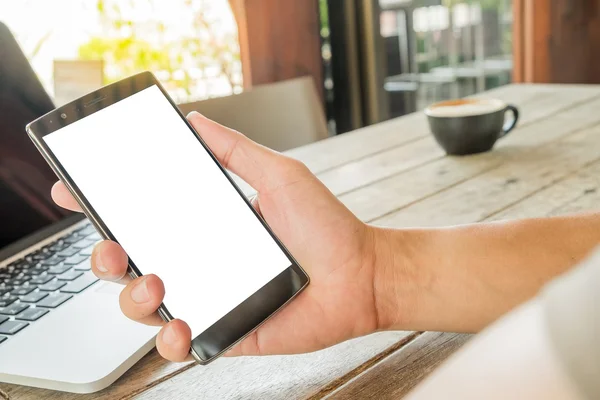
[169,205]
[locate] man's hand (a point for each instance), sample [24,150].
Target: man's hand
[335,248]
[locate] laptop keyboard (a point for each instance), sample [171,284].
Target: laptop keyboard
[43,280]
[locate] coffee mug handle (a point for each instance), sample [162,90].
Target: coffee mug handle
[510,125]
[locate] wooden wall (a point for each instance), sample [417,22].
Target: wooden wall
[556,41]
[279,40]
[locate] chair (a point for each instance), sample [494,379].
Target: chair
[281,115]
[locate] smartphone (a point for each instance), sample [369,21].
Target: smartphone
[145,179]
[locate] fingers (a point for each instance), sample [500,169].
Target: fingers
[173,341]
[247,159]
[62,197]
[247,347]
[255,203]
[141,298]
[109,262]
[139,302]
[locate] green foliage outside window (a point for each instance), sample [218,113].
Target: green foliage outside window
[125,48]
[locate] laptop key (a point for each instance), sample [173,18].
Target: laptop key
[52,286]
[88,250]
[18,281]
[12,327]
[33,297]
[58,246]
[3,319]
[38,269]
[18,264]
[7,301]
[81,283]
[52,261]
[85,243]
[48,245]
[14,309]
[72,239]
[3,338]
[54,300]
[23,290]
[95,237]
[88,230]
[59,269]
[26,273]
[68,252]
[70,275]
[41,279]
[39,256]
[76,259]
[84,266]
[33,314]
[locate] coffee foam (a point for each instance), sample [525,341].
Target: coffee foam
[465,108]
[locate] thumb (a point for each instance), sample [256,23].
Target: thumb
[245,158]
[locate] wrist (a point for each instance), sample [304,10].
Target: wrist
[403,277]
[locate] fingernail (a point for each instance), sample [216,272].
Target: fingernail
[169,337]
[98,261]
[139,293]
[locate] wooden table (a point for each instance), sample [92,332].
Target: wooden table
[394,174]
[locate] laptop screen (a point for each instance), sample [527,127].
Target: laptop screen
[25,178]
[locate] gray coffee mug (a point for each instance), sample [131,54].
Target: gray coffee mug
[470,126]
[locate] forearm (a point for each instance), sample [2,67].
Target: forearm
[462,278]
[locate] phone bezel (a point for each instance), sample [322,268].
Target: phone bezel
[246,317]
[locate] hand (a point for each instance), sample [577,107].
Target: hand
[329,242]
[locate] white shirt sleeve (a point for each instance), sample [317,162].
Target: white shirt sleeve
[572,314]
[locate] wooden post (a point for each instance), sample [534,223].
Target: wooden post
[556,41]
[279,40]
[518,50]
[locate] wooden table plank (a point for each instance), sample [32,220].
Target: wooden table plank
[392,193]
[395,376]
[588,200]
[274,377]
[486,194]
[327,154]
[360,173]
[576,192]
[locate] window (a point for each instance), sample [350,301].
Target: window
[191,45]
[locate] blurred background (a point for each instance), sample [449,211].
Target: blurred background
[367,61]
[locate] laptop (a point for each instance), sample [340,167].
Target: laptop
[60,328]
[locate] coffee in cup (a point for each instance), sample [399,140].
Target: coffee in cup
[470,126]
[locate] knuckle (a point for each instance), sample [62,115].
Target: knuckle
[295,165]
